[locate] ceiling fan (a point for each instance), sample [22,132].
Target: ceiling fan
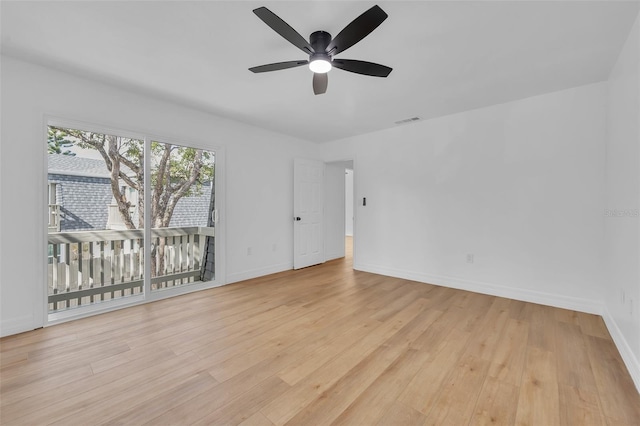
[321,48]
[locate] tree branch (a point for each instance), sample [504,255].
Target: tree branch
[123,204]
[184,188]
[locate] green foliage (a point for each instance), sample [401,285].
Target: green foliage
[181,164]
[57,143]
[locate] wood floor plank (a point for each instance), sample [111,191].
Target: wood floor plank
[495,403]
[58,362]
[257,419]
[337,398]
[270,343]
[303,367]
[618,396]
[377,399]
[250,403]
[579,406]
[507,362]
[326,406]
[542,327]
[165,400]
[401,415]
[593,325]
[574,366]
[425,387]
[305,391]
[455,403]
[539,401]
[46,399]
[484,345]
[566,316]
[107,408]
[128,388]
[320,345]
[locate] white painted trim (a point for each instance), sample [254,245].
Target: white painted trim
[146,216]
[17,325]
[258,272]
[630,360]
[556,300]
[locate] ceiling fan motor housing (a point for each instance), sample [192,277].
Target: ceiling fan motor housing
[319,40]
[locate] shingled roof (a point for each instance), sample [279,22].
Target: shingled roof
[84,192]
[73,165]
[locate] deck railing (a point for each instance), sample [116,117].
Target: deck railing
[54,217]
[86,267]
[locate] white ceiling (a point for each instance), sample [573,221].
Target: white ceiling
[447,56]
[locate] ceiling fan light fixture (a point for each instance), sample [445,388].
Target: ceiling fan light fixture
[321,47]
[320,64]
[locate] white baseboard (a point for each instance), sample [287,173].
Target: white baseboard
[258,272]
[16,325]
[630,360]
[559,301]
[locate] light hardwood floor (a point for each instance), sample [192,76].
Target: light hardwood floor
[322,345]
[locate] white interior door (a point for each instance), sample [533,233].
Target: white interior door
[308,236]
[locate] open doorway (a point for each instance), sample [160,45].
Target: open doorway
[339,210]
[348,212]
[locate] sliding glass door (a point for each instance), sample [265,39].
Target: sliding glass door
[97,248]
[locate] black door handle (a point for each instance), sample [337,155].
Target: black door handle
[298,218]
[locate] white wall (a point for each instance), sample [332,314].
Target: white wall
[519,185]
[622,233]
[258,177]
[348,202]
[334,207]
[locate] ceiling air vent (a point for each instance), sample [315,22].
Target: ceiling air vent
[408,120]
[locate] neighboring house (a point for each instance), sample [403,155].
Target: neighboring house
[80,198]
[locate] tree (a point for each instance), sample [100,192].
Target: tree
[176,172]
[56,142]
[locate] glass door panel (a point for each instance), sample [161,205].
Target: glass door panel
[182,215]
[95,218]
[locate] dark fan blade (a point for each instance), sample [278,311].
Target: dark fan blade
[278,66]
[320,82]
[358,29]
[284,29]
[362,67]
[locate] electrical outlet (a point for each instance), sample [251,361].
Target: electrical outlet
[274,247]
[470,258]
[249,251]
